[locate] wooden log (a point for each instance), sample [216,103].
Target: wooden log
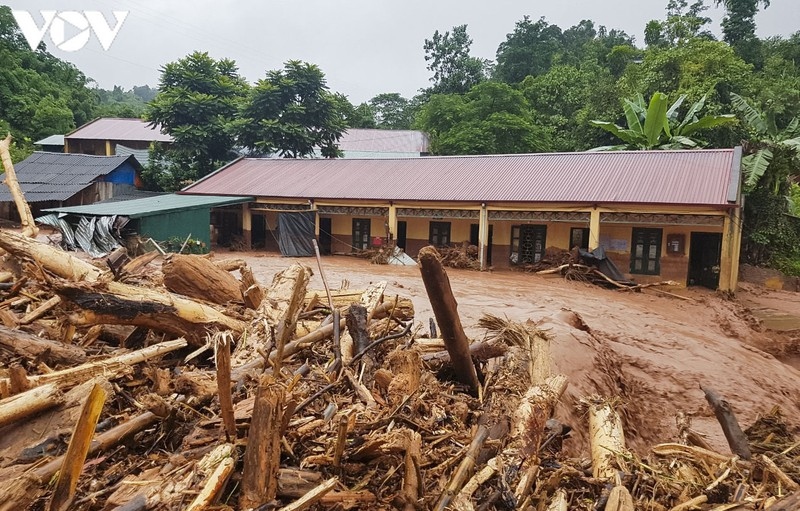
[779,474]
[124,304]
[217,466]
[40,311]
[52,259]
[312,497]
[231,264]
[730,426]
[252,292]
[560,501]
[696,453]
[341,440]
[277,315]
[412,473]
[222,361]
[31,347]
[28,403]
[78,448]
[606,438]
[790,503]
[26,218]
[445,308]
[262,455]
[197,277]
[111,367]
[620,499]
[18,379]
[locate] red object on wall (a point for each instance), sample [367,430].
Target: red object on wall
[377,241]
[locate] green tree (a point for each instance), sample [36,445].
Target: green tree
[530,49]
[683,23]
[492,118]
[455,71]
[355,116]
[39,94]
[392,111]
[739,27]
[658,125]
[292,113]
[197,100]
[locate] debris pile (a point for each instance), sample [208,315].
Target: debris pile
[461,256]
[190,385]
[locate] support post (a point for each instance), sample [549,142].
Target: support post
[594,229]
[731,247]
[392,221]
[316,218]
[247,225]
[483,236]
[109,152]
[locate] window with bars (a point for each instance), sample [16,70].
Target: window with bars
[646,251]
[528,243]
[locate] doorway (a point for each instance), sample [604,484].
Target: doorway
[474,235]
[704,257]
[532,243]
[325,240]
[402,229]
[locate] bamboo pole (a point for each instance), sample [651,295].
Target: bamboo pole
[312,497]
[29,403]
[77,450]
[219,465]
[464,469]
[109,367]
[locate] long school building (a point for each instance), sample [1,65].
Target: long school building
[659,215]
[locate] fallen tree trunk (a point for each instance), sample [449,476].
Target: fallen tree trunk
[123,304]
[606,438]
[445,308]
[35,348]
[52,259]
[198,277]
[26,218]
[730,426]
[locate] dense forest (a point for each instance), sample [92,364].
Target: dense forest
[548,89]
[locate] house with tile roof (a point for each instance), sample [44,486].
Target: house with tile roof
[56,179]
[659,215]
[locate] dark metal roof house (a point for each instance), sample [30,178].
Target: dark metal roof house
[55,179]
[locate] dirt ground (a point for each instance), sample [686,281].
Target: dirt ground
[652,351]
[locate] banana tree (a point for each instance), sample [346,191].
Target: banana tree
[775,152]
[658,125]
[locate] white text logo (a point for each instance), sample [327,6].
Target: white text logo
[79,26]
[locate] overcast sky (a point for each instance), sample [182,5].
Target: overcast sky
[365,47]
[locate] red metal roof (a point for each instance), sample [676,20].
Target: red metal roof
[384,141]
[112,128]
[697,177]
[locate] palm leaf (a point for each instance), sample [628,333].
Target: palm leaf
[632,116]
[755,166]
[793,128]
[656,119]
[626,135]
[679,142]
[753,117]
[793,143]
[608,148]
[709,121]
[672,113]
[691,115]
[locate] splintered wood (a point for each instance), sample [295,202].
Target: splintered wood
[120,389]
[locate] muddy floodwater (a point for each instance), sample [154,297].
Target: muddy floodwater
[650,350]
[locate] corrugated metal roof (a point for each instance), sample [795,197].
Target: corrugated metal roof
[112,128]
[47,176]
[150,206]
[384,141]
[653,177]
[51,140]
